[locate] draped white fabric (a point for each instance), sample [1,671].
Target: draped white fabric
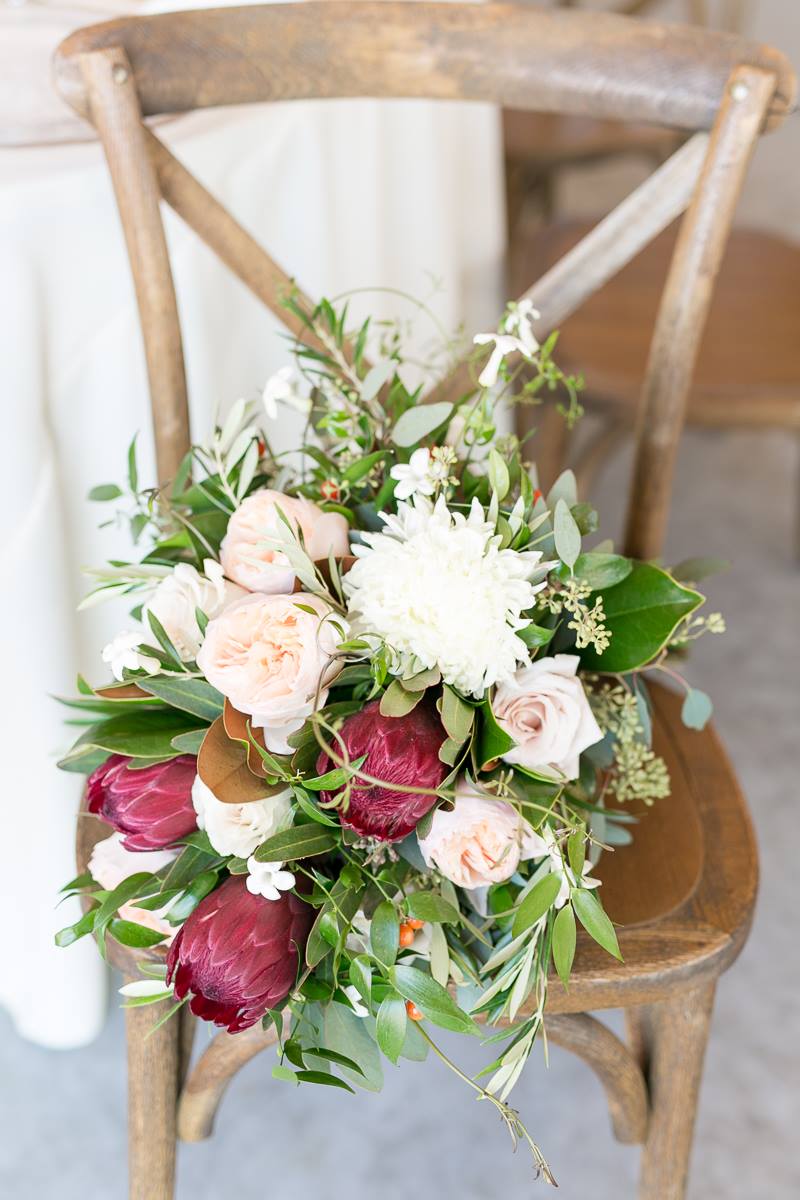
[347,194]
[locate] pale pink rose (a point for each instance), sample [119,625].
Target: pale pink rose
[268,656]
[110,863]
[480,841]
[545,710]
[261,568]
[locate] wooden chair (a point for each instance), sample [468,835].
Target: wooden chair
[539,146]
[683,894]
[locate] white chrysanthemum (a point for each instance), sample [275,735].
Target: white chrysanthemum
[436,587]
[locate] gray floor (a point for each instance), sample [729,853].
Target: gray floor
[62,1114]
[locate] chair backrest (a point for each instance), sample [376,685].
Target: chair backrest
[719,85]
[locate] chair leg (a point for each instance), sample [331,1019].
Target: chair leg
[153,1077]
[677,1031]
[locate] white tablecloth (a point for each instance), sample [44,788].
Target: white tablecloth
[345,194]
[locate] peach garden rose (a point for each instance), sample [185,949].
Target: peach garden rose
[480,841]
[249,561]
[268,654]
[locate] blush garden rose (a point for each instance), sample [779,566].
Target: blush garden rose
[545,710]
[247,555]
[271,656]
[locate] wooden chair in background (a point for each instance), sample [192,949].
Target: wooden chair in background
[684,914]
[747,374]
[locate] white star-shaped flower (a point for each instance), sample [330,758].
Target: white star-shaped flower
[284,387]
[504,344]
[268,879]
[417,476]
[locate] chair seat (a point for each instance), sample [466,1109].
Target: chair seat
[682,893]
[552,139]
[747,373]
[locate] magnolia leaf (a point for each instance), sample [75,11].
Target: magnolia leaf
[697,709]
[419,422]
[641,614]
[567,534]
[123,691]
[493,742]
[236,723]
[222,766]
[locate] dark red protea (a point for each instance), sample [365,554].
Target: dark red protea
[237,954]
[152,807]
[399,750]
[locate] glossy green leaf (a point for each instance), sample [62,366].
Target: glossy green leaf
[193,696]
[492,741]
[433,1001]
[428,906]
[384,933]
[323,1078]
[390,1026]
[128,933]
[301,841]
[642,613]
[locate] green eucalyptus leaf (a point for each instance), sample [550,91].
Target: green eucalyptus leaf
[566,533]
[457,716]
[602,570]
[697,709]
[419,422]
[396,701]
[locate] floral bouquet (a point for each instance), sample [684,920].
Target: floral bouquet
[377,715]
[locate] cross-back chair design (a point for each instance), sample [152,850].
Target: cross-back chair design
[683,914]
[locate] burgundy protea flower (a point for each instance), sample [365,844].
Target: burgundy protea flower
[151,806]
[399,750]
[237,954]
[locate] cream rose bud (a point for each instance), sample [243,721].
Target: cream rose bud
[480,841]
[239,828]
[270,655]
[110,862]
[178,596]
[545,710]
[249,559]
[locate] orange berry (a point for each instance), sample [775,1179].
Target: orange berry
[406,934]
[413,1011]
[414,923]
